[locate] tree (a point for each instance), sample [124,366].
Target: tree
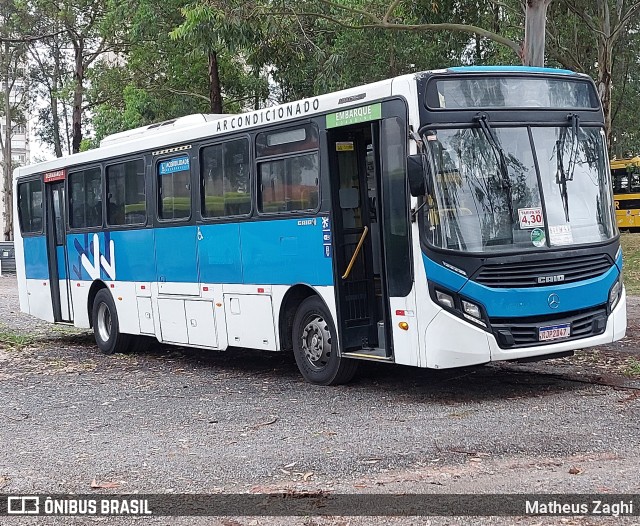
[214,27]
[49,76]
[83,35]
[607,22]
[12,99]
[388,15]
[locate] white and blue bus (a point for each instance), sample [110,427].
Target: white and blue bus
[441,219]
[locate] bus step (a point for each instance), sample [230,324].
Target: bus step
[373,354]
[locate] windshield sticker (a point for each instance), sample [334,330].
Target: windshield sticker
[560,235]
[530,217]
[538,238]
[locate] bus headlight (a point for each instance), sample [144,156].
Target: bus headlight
[615,293]
[445,299]
[471,309]
[459,306]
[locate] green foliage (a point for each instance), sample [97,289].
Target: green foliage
[632,368]
[266,51]
[13,340]
[631,267]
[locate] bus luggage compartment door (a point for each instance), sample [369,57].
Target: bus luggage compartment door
[250,321]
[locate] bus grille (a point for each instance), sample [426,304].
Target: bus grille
[528,273]
[523,332]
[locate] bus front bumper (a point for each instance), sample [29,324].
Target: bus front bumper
[452,342]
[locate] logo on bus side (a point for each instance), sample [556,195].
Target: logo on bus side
[92,261]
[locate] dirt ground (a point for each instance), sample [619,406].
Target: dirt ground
[176,420]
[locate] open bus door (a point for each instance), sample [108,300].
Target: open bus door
[370,225]
[56,228]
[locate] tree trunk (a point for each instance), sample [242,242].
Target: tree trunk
[215,89]
[605,65]
[57,142]
[7,165]
[534,32]
[604,83]
[78,92]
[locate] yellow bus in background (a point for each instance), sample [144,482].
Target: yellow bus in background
[625,175]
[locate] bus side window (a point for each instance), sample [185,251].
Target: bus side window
[30,207]
[225,179]
[126,198]
[85,197]
[635,181]
[291,183]
[174,188]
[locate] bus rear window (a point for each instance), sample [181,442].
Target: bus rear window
[30,207]
[510,91]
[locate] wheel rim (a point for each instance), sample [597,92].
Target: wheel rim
[316,342]
[104,322]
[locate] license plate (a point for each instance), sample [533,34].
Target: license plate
[554,332]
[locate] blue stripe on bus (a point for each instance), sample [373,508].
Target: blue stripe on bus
[507,69]
[219,255]
[62,267]
[443,276]
[285,252]
[280,252]
[36,265]
[516,303]
[175,255]
[136,262]
[523,302]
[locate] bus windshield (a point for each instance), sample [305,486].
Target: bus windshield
[522,188]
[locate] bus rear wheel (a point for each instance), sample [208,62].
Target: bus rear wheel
[315,346]
[105,325]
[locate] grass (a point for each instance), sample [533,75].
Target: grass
[631,268]
[632,368]
[10,339]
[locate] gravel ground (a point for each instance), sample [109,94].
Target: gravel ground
[183,421]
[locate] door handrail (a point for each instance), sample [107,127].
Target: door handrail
[355,254]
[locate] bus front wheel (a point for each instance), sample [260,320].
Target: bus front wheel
[105,325]
[315,345]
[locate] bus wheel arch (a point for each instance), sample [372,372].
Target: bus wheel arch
[288,308]
[106,328]
[315,345]
[96,286]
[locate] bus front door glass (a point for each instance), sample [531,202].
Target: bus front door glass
[58,256]
[355,219]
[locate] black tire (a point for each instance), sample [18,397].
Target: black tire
[105,325]
[315,346]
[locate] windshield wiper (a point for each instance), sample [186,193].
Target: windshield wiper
[562,175]
[483,120]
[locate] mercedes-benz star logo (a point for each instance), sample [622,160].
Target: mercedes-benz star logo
[553,301]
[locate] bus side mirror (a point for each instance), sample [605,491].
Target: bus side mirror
[416,173]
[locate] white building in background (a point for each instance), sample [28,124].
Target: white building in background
[20,149]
